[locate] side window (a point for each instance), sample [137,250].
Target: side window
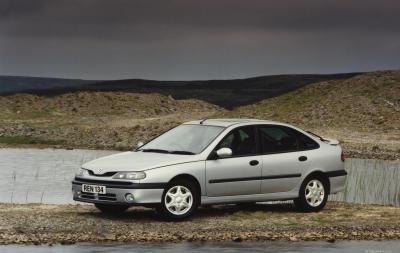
[305,142]
[242,141]
[275,139]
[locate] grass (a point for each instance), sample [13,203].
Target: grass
[20,139]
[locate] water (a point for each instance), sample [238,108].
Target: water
[44,176]
[41,175]
[306,247]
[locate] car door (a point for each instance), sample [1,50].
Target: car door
[239,174]
[283,160]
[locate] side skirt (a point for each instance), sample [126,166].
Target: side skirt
[249,198]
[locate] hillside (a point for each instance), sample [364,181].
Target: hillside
[363,110]
[225,93]
[112,120]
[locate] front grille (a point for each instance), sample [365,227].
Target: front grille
[107,196]
[107,174]
[104,182]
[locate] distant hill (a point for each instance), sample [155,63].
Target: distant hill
[365,102]
[225,93]
[362,111]
[15,84]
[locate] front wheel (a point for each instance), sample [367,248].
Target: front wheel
[313,194]
[179,201]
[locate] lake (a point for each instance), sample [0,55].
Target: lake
[44,176]
[304,247]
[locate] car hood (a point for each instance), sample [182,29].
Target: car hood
[136,161]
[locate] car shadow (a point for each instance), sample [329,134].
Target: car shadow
[212,211]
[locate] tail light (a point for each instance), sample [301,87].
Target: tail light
[342,156]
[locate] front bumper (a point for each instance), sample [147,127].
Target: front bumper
[116,192]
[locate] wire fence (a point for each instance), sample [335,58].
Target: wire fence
[371,182]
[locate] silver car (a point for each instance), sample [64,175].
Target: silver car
[216,161]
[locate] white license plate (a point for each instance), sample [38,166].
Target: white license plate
[99,189]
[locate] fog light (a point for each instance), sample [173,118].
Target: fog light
[129,197]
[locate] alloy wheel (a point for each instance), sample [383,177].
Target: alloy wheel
[314,193]
[178,200]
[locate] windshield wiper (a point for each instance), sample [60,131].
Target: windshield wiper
[155,150]
[181,152]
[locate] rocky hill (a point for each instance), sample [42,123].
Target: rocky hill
[93,119]
[363,110]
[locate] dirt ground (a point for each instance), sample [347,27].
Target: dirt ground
[68,224]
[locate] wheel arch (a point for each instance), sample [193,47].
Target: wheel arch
[189,178]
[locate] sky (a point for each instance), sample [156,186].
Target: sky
[203,39]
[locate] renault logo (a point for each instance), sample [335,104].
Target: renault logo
[100,170]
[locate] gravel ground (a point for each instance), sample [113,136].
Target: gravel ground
[67,224]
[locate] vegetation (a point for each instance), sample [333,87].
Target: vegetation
[363,103]
[362,111]
[17,140]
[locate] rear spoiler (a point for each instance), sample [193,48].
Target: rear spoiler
[333,142]
[329,141]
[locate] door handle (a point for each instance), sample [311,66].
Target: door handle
[253,162]
[302,158]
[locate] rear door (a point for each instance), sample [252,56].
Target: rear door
[284,157]
[239,174]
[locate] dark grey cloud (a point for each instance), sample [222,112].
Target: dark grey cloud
[185,39]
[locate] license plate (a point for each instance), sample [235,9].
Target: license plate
[99,189]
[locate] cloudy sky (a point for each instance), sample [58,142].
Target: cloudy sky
[203,39]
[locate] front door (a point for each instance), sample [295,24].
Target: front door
[239,174]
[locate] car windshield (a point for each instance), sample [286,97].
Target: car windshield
[183,139]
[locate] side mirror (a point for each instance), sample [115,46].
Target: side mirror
[224,152]
[139,144]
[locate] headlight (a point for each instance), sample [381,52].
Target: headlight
[130,175]
[81,172]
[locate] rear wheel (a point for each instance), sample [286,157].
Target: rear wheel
[313,194]
[111,209]
[179,201]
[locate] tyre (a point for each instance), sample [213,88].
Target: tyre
[313,194]
[179,200]
[111,209]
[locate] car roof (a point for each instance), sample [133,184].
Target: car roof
[227,122]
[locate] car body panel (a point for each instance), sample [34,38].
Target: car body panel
[233,176]
[282,172]
[166,174]
[279,175]
[136,161]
